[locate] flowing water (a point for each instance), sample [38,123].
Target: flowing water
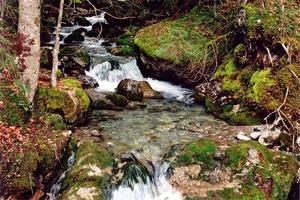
[147,133]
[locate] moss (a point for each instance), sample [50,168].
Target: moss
[84,98]
[261,81]
[278,167]
[231,85]
[54,99]
[242,118]
[91,159]
[201,151]
[72,83]
[226,70]
[12,94]
[56,121]
[118,100]
[28,164]
[61,100]
[181,40]
[237,154]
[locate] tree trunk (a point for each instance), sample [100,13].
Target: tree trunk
[56,46]
[29,27]
[2,10]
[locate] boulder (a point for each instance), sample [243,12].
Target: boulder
[88,81]
[75,60]
[68,99]
[99,100]
[118,100]
[245,170]
[74,38]
[148,92]
[90,173]
[105,30]
[130,89]
[82,21]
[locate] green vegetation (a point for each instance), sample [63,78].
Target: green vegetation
[200,152]
[278,167]
[56,121]
[61,100]
[88,170]
[180,41]
[117,99]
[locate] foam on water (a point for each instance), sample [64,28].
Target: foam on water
[157,189]
[109,76]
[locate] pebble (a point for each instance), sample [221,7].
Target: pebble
[255,135]
[241,136]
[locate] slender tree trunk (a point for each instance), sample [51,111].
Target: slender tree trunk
[29,26]
[2,7]
[56,45]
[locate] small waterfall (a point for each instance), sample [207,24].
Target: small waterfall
[58,184]
[110,72]
[154,187]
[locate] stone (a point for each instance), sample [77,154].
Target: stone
[117,100]
[148,92]
[255,135]
[74,38]
[88,81]
[82,21]
[130,89]
[241,136]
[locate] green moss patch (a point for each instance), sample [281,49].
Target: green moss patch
[90,169]
[200,152]
[180,41]
[270,166]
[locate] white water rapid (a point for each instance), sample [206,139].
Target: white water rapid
[157,189]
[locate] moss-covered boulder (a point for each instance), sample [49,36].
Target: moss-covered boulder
[117,99]
[178,49]
[90,173]
[56,121]
[40,155]
[245,170]
[68,99]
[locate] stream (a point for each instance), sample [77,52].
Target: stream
[146,133]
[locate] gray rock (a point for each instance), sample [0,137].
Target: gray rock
[241,136]
[255,135]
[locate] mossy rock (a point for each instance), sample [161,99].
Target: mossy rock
[117,99]
[83,191]
[56,121]
[92,162]
[68,99]
[39,158]
[200,152]
[260,173]
[276,167]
